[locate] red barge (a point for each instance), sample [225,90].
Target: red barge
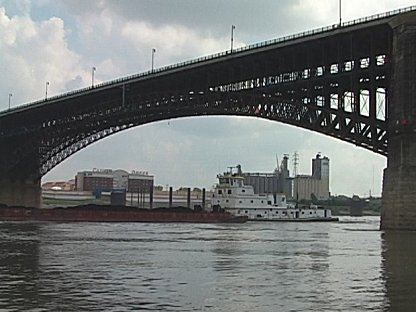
[93,213]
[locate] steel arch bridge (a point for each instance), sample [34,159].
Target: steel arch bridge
[333,80]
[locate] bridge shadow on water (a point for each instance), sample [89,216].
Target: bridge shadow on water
[399,269]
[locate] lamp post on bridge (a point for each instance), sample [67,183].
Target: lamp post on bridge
[339,7]
[46,90]
[10,96]
[92,75]
[153,58]
[232,37]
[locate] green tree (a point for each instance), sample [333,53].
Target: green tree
[158,188]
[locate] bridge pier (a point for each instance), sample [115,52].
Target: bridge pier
[26,193]
[399,180]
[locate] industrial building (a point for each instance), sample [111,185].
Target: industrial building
[300,187]
[315,186]
[276,182]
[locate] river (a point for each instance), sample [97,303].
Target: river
[257,266]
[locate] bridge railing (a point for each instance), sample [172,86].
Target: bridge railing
[223,53]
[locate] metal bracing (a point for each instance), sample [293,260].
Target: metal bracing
[336,84]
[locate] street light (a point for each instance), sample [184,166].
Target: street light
[10,95]
[153,58]
[339,6]
[92,76]
[232,36]
[46,90]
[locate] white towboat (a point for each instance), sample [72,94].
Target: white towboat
[233,196]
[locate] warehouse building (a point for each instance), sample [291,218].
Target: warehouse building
[109,180]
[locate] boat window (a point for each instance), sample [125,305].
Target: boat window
[303,212]
[243,191]
[265,212]
[252,201]
[246,211]
[219,191]
[262,202]
[226,200]
[241,201]
[310,212]
[269,202]
[229,191]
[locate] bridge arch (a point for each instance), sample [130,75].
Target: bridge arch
[106,121]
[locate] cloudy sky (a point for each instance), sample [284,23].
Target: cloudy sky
[60,41]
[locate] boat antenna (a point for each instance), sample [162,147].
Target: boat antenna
[239,171]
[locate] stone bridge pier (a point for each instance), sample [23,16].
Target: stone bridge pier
[26,193]
[399,181]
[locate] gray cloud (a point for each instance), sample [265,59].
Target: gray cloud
[255,20]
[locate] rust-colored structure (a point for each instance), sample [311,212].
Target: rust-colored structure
[116,214]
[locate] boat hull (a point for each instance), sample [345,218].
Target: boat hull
[332,219]
[283,214]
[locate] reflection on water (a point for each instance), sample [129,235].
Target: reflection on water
[19,266]
[345,266]
[399,269]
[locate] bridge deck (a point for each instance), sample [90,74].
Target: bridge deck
[314,34]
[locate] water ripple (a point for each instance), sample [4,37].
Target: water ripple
[345,266]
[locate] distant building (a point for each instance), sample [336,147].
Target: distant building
[277,182]
[316,185]
[120,179]
[139,182]
[109,180]
[97,179]
[59,186]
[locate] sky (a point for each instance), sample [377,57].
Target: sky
[60,41]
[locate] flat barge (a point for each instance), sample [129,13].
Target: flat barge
[95,213]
